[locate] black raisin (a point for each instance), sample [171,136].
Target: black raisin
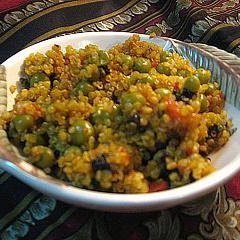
[115,99]
[106,69]
[187,93]
[135,118]
[161,145]
[213,131]
[142,129]
[177,95]
[52,77]
[204,154]
[100,163]
[24,81]
[95,183]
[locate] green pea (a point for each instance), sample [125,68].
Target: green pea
[163,92]
[38,77]
[132,98]
[152,169]
[90,72]
[132,101]
[40,140]
[159,155]
[203,75]
[80,132]
[23,122]
[73,149]
[103,58]
[163,69]
[84,87]
[165,56]
[126,60]
[142,65]
[100,115]
[204,103]
[117,115]
[93,58]
[211,88]
[192,84]
[146,78]
[45,156]
[183,73]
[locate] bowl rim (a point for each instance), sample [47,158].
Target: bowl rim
[116,201]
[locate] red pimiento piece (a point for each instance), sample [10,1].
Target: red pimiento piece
[173,110]
[189,151]
[176,87]
[158,186]
[155,63]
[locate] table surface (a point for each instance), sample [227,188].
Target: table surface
[27,214]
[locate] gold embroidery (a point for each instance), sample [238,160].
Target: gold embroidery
[4,178]
[56,224]
[225,6]
[90,24]
[148,18]
[186,20]
[233,44]
[18,208]
[39,14]
[226,218]
[213,30]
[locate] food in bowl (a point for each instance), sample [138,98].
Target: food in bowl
[132,119]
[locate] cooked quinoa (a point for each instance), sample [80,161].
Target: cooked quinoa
[133,119]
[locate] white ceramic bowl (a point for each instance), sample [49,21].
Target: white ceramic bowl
[225,69]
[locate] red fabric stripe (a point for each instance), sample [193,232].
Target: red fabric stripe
[233,187]
[8,4]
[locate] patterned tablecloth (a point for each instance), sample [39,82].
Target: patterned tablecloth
[27,214]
